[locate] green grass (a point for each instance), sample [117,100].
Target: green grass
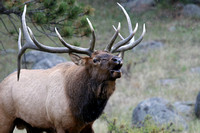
[175,60]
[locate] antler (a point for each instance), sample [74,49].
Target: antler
[32,43]
[108,47]
[129,41]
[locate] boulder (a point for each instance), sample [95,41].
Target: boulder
[191,10]
[42,60]
[146,46]
[195,70]
[139,5]
[172,28]
[160,111]
[8,51]
[185,109]
[197,106]
[48,62]
[167,81]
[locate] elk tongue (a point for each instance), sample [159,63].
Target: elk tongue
[115,73]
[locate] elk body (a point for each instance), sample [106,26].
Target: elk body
[69,97]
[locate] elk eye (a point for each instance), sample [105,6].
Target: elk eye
[95,60]
[104,60]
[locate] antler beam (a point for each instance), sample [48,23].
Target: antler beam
[32,43]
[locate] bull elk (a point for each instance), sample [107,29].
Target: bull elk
[69,97]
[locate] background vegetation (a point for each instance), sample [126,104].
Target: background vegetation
[69,16]
[174,60]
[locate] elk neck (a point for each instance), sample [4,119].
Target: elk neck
[88,95]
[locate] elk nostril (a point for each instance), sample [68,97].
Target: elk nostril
[114,59]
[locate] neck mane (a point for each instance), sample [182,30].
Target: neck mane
[88,96]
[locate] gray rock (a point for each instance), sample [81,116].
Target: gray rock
[172,29]
[185,109]
[140,5]
[197,106]
[195,70]
[8,51]
[160,111]
[167,81]
[42,60]
[191,10]
[146,46]
[48,63]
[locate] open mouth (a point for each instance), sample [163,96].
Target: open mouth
[116,71]
[117,68]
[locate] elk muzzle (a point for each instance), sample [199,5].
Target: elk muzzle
[116,70]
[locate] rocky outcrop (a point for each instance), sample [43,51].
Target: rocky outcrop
[191,10]
[150,45]
[197,106]
[42,60]
[140,5]
[160,111]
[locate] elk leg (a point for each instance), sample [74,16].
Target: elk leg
[30,129]
[87,129]
[60,130]
[20,124]
[8,128]
[36,130]
[6,123]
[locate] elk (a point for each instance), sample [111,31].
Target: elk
[69,97]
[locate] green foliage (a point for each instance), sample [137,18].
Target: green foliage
[86,31]
[63,14]
[183,68]
[70,2]
[40,18]
[74,12]
[88,10]
[12,32]
[148,126]
[49,4]
[76,43]
[67,31]
[62,8]
[114,127]
[83,22]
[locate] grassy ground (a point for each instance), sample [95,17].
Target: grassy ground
[174,60]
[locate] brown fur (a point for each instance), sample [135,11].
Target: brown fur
[67,98]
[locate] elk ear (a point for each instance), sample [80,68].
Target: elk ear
[78,60]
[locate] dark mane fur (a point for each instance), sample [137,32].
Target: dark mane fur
[89,100]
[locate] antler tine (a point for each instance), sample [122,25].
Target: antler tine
[19,55]
[30,44]
[19,40]
[47,48]
[132,44]
[128,21]
[124,41]
[92,42]
[80,50]
[74,48]
[30,41]
[121,54]
[118,33]
[131,36]
[131,41]
[108,47]
[27,44]
[127,17]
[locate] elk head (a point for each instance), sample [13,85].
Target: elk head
[102,64]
